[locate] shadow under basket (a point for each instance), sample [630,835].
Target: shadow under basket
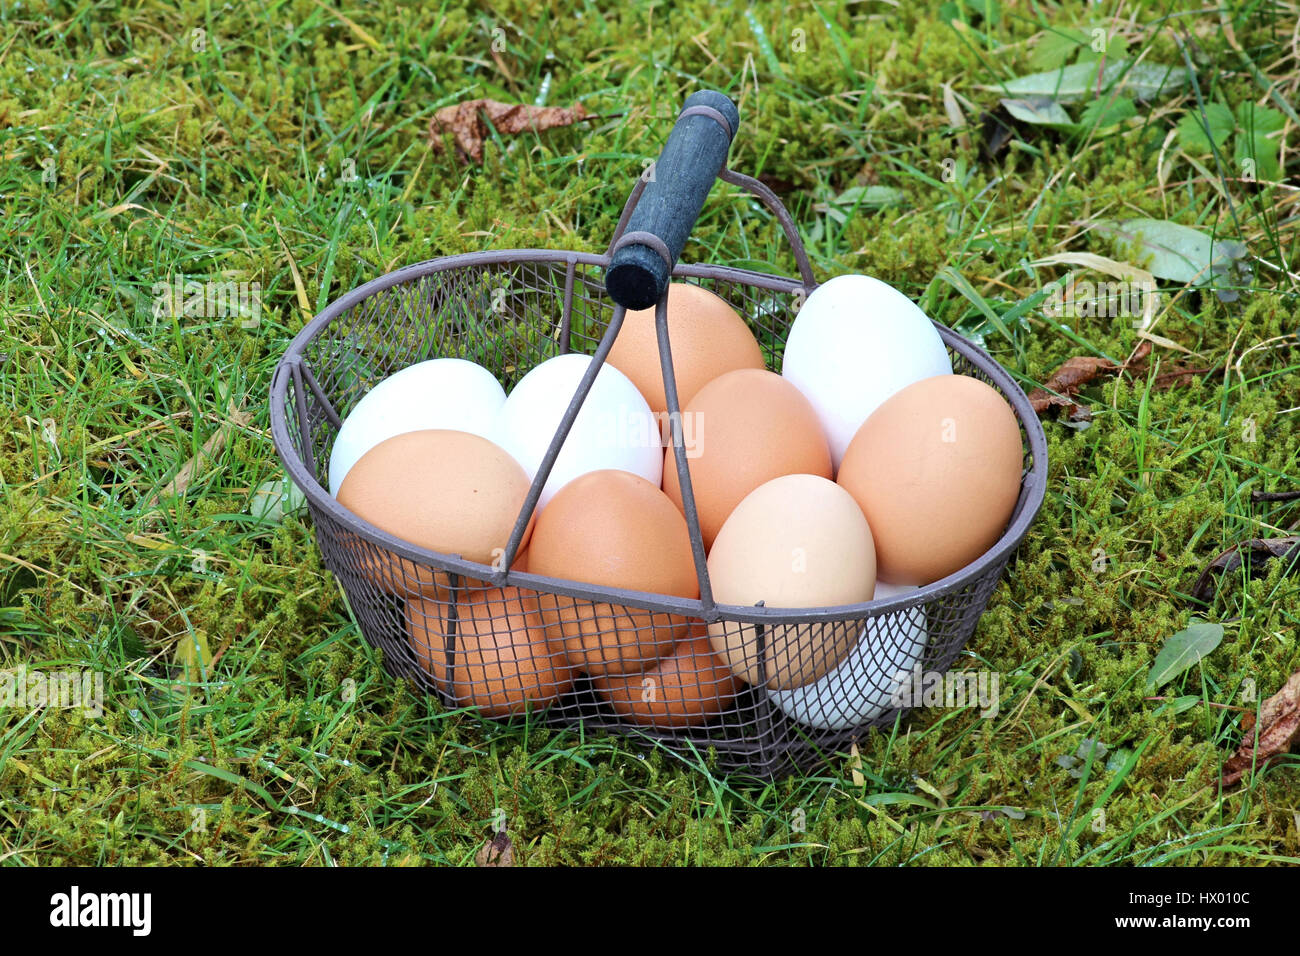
[433,614]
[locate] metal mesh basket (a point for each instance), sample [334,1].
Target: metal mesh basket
[503,640]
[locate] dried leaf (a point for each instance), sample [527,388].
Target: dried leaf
[1178,375]
[1081,370]
[1256,552]
[1173,374]
[498,851]
[1066,382]
[855,765]
[1164,342]
[1276,733]
[468,122]
[1089,260]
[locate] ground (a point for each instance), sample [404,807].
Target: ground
[285,144]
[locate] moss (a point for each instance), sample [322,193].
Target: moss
[299,748]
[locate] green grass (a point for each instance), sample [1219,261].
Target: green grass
[218,156]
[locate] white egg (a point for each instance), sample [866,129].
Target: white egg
[614,429]
[862,688]
[448,393]
[855,342]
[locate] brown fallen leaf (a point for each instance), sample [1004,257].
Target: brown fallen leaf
[1275,734]
[1140,355]
[1075,373]
[1170,374]
[498,851]
[1178,375]
[468,122]
[1256,552]
[1066,382]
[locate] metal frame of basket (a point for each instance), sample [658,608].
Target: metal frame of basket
[413,603]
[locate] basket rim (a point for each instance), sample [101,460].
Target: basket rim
[1032,489]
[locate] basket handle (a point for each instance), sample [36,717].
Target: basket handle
[643,257]
[755,188]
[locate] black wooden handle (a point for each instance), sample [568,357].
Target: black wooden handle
[696,152]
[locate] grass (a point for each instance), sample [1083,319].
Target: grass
[247,721]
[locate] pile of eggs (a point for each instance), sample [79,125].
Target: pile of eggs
[864,470]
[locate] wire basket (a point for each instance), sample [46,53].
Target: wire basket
[505,641]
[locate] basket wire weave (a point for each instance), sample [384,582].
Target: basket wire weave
[510,310]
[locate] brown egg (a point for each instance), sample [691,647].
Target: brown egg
[501,662]
[397,575]
[442,581]
[749,426]
[707,338]
[447,491]
[684,689]
[796,541]
[613,529]
[388,572]
[936,470]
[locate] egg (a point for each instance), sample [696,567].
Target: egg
[855,342]
[614,429]
[707,338]
[936,469]
[393,574]
[613,529]
[447,491]
[384,570]
[520,562]
[445,393]
[442,583]
[797,541]
[500,661]
[684,689]
[742,429]
[863,686]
